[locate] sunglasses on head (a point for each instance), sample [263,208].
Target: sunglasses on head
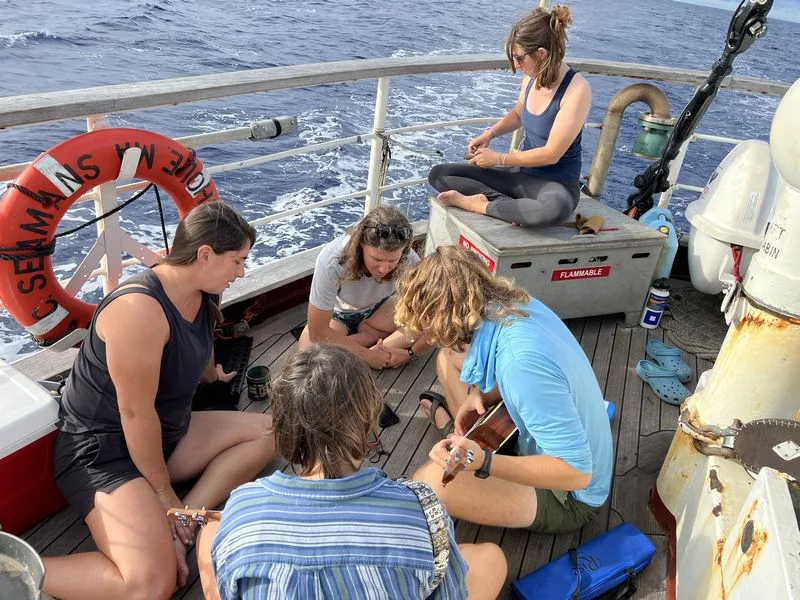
[386,231]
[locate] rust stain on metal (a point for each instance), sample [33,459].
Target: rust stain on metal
[718,566]
[762,319]
[752,511]
[754,319]
[754,552]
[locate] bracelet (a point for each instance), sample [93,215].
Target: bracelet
[493,130]
[503,158]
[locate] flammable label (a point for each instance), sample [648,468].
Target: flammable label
[581,273]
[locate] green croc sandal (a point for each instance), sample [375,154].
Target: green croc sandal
[664,382]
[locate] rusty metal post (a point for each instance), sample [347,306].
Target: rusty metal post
[638,92]
[756,375]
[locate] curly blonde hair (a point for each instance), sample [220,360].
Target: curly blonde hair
[541,28]
[449,293]
[365,232]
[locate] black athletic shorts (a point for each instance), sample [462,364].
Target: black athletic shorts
[86,463]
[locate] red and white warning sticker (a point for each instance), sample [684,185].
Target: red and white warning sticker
[581,273]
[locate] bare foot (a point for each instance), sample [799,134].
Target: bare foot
[442,418]
[476,203]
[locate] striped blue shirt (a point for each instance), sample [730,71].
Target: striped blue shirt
[362,536]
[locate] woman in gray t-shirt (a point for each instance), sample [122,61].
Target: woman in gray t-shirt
[352,292]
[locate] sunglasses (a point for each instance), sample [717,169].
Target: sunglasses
[386,231]
[519,57]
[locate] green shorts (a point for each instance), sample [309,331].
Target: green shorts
[353,318]
[560,512]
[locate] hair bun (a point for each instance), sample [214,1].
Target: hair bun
[560,18]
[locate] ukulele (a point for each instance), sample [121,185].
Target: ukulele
[493,429]
[201,516]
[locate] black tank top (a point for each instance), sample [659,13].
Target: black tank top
[89,400]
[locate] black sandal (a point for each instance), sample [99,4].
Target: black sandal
[438,401]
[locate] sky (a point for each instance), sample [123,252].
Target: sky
[786,10]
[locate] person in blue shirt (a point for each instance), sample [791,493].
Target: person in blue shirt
[537,185]
[496,343]
[337,530]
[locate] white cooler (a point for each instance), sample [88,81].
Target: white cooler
[28,414]
[575,275]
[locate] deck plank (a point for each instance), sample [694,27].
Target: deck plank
[651,404]
[629,418]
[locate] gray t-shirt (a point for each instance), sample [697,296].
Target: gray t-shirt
[329,291]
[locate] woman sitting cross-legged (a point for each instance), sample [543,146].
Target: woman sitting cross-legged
[352,291]
[497,343]
[127,427]
[337,531]
[539,184]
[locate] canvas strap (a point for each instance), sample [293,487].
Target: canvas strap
[437,525]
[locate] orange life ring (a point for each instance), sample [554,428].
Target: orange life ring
[41,195]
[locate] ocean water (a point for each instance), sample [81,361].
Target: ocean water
[50,45]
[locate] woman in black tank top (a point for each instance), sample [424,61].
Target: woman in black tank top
[127,429]
[537,185]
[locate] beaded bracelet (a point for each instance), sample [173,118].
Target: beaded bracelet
[503,158]
[494,132]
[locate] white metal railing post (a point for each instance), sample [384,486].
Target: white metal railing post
[376,152]
[109,231]
[674,171]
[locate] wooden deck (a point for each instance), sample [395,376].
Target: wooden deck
[642,428]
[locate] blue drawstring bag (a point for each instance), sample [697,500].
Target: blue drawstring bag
[603,567]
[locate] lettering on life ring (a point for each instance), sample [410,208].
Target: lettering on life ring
[53,182]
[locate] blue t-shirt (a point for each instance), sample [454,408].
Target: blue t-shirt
[359,537]
[550,390]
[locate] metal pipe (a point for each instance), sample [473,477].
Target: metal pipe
[638,92]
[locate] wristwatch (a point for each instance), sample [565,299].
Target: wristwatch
[483,472]
[412,356]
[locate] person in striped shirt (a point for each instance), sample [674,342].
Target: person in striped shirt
[338,530]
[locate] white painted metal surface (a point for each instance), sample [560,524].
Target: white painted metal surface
[761,556]
[375,162]
[774,278]
[756,375]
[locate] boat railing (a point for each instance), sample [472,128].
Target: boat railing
[94,103]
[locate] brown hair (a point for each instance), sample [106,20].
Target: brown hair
[449,293]
[213,224]
[365,232]
[325,406]
[541,28]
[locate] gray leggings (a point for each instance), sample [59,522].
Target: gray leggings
[513,196]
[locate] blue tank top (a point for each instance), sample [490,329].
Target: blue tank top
[537,129]
[89,401]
